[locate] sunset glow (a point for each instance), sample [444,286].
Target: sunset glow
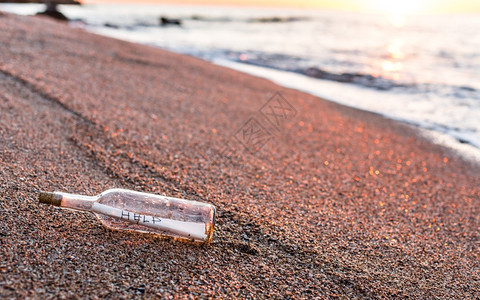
[398,7]
[378,6]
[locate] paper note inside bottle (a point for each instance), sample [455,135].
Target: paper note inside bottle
[187,229]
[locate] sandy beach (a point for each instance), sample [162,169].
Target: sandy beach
[326,202]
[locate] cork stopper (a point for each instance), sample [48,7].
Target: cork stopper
[50,198]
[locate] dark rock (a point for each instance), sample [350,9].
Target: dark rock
[53,12]
[110,25]
[164,21]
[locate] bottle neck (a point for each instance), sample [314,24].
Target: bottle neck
[77,202]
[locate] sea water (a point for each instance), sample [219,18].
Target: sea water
[423,70]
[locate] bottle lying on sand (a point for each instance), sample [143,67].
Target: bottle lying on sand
[130,210]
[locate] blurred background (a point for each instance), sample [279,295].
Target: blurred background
[417,61]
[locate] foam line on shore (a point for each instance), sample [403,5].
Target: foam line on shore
[326,89]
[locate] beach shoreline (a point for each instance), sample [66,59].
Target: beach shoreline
[411,92]
[463,149]
[337,202]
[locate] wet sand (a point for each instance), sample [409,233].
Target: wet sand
[328,202]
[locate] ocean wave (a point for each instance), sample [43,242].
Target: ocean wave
[366,80]
[271,19]
[304,66]
[200,18]
[291,64]
[277,19]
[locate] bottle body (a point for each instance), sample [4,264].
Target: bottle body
[129,210]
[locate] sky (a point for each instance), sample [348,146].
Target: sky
[382,6]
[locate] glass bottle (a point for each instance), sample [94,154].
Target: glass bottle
[130,210]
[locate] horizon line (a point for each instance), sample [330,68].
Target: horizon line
[280,4]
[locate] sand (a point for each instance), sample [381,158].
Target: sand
[328,202]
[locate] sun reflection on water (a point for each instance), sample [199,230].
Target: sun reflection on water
[392,65]
[395,50]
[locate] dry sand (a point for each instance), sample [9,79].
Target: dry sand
[338,203]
